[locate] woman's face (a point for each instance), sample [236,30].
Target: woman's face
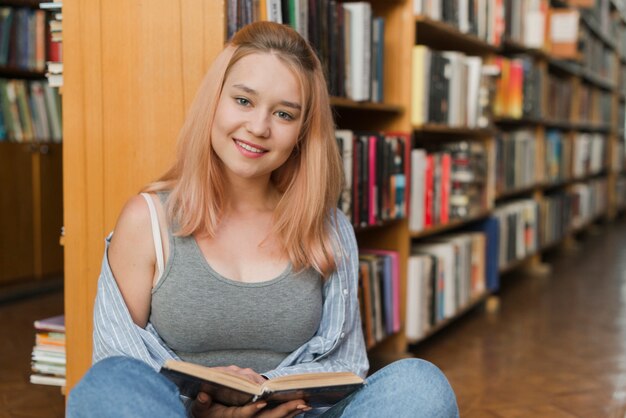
[258,117]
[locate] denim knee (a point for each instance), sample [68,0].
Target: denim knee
[118,387]
[423,385]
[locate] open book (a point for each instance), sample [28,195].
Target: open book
[233,390]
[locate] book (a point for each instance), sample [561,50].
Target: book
[47,380]
[345,138]
[360,50]
[233,390]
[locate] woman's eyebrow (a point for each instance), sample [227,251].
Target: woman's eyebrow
[246,89]
[253,92]
[291,104]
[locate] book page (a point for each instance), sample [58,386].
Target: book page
[308,380]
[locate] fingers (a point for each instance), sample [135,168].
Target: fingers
[204,408]
[286,410]
[201,405]
[250,410]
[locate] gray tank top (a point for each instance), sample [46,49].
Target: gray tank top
[208,319]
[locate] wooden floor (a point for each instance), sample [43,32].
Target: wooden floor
[19,398]
[556,348]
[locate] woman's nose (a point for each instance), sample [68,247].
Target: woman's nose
[258,124]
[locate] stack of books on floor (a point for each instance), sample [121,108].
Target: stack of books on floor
[48,358]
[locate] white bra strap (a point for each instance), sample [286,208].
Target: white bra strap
[156,235]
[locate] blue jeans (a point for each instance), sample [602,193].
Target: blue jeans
[124,387]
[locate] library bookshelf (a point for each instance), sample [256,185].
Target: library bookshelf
[124,102]
[31,210]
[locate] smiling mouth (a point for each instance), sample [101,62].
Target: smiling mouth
[250,147]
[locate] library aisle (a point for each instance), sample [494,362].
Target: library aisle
[556,348]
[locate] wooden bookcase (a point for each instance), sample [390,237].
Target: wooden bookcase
[130,72]
[31,207]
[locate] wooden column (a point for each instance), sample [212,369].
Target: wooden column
[131,70]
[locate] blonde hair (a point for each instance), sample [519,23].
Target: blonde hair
[309,181]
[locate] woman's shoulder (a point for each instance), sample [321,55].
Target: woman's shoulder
[133,225]
[135,213]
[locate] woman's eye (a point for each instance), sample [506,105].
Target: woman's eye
[242,101]
[284,115]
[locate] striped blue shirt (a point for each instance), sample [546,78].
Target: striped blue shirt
[336,346]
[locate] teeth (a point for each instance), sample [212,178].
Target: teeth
[249,148]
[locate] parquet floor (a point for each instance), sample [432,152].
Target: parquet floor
[19,398]
[555,349]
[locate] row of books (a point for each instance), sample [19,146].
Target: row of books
[518,89]
[519,230]
[23,37]
[598,12]
[621,118]
[375,176]
[589,154]
[563,211]
[619,156]
[559,100]
[526,226]
[619,35]
[594,105]
[379,294]
[620,192]
[54,65]
[481,18]
[589,201]
[596,57]
[557,157]
[48,356]
[533,24]
[525,22]
[449,88]
[596,108]
[348,39]
[555,221]
[444,275]
[516,155]
[448,182]
[29,111]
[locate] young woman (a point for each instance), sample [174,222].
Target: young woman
[237,257]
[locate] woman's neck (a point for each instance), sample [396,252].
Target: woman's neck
[252,196]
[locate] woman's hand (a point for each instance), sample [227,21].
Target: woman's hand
[204,408]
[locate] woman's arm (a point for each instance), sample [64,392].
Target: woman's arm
[132,258]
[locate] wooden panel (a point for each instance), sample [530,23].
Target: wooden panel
[82,127]
[16,215]
[142,95]
[131,70]
[399,39]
